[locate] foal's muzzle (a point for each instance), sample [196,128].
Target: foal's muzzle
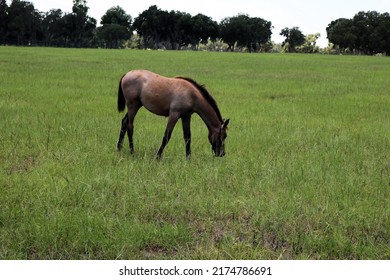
[218,152]
[222,154]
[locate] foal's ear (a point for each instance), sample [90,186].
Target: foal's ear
[225,123]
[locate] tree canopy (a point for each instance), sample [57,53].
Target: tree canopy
[294,38]
[245,32]
[172,30]
[366,32]
[116,28]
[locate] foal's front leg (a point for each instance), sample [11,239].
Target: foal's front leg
[186,122]
[172,120]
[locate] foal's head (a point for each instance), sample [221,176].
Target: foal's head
[217,140]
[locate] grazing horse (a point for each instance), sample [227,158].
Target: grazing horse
[174,98]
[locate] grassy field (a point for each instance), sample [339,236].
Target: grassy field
[306,175]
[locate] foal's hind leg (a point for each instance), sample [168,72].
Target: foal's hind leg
[127,126]
[132,111]
[122,133]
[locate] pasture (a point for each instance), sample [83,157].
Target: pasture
[306,173]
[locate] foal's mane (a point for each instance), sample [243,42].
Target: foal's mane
[205,94]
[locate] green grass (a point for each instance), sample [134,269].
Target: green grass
[306,175]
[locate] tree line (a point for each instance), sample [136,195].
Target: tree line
[366,32]
[22,24]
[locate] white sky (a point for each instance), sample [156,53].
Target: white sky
[309,15]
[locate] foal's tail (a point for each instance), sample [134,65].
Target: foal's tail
[121,98]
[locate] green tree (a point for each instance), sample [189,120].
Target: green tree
[366,32]
[147,25]
[79,27]
[53,28]
[116,27]
[364,25]
[3,21]
[173,29]
[116,15]
[294,38]
[370,29]
[383,33]
[259,33]
[341,33]
[162,29]
[245,31]
[231,30]
[24,24]
[203,28]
